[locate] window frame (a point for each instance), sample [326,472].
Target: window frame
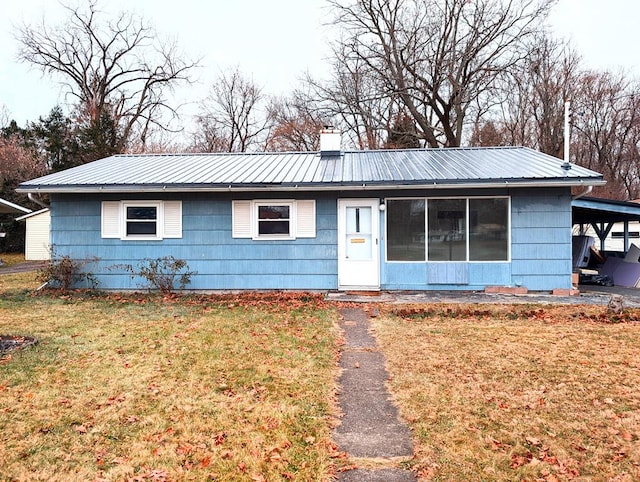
[467,227]
[113,222]
[159,221]
[255,224]
[245,222]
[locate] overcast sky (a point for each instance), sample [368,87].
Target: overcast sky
[276,41]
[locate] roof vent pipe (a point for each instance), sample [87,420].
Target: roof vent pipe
[566,165]
[330,141]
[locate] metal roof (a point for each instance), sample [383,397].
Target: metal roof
[411,168]
[588,210]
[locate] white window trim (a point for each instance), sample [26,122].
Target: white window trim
[114,219]
[302,219]
[257,204]
[146,237]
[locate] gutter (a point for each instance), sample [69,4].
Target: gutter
[306,187]
[586,191]
[34,198]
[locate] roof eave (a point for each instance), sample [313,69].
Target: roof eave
[155,188]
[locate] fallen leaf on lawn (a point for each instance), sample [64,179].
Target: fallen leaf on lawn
[533,440]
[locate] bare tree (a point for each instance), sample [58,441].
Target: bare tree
[295,124]
[606,134]
[354,99]
[18,163]
[233,118]
[529,99]
[112,67]
[439,57]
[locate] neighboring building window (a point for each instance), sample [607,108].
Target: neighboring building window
[142,220]
[447,229]
[620,234]
[465,229]
[405,230]
[273,219]
[488,235]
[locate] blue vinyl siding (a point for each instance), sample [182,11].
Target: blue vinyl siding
[221,261]
[540,245]
[541,239]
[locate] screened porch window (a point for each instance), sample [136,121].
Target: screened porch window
[447,230]
[405,230]
[459,229]
[488,236]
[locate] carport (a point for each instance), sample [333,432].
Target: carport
[602,215]
[7,207]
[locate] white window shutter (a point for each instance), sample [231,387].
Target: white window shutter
[241,219]
[306,219]
[111,222]
[172,221]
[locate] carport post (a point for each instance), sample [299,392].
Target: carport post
[626,236]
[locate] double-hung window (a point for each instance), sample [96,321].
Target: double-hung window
[274,219]
[265,219]
[141,220]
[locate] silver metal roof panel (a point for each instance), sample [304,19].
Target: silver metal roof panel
[461,167]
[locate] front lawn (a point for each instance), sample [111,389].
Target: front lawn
[141,387]
[507,393]
[145,388]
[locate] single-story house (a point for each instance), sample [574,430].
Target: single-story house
[419,219]
[37,246]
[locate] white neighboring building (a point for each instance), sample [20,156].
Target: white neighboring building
[615,239]
[37,244]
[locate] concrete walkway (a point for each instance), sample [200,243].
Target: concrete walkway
[370,427]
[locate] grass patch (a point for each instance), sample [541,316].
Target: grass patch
[11,259]
[186,388]
[15,283]
[508,393]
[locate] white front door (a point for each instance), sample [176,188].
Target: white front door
[358,250]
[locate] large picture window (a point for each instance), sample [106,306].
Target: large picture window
[459,229]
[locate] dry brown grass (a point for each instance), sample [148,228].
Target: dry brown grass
[506,393]
[11,259]
[146,388]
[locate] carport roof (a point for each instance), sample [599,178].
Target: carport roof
[7,207]
[589,210]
